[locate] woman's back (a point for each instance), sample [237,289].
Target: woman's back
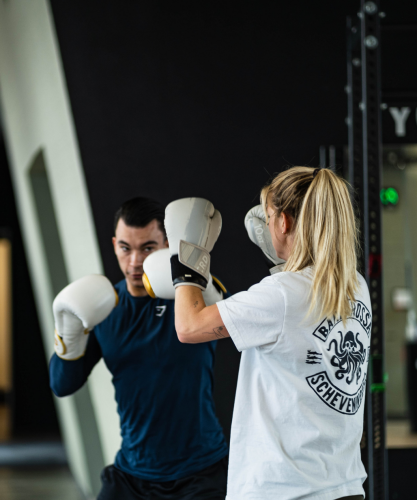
[298,414]
[299,405]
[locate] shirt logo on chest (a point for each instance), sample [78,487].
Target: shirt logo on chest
[160,310]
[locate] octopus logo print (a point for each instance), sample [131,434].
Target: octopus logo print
[348,357]
[343,351]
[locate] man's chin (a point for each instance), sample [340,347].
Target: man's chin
[136,283]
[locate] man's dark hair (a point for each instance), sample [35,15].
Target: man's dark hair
[139,212]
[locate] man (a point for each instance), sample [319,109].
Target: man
[173,445]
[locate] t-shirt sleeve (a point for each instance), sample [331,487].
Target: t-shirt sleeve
[256,317]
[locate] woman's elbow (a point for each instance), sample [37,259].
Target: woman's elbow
[183,336]
[184,333]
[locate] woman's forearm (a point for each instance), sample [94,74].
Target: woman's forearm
[194,321]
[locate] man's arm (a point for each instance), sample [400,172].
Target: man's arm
[194,321]
[78,308]
[66,377]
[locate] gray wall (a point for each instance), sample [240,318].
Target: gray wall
[399,266]
[46,168]
[393,221]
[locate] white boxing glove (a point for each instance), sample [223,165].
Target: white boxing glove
[259,234]
[158,281]
[78,308]
[192,226]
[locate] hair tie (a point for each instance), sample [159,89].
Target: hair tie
[316,172]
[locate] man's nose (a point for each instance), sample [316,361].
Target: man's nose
[136,259]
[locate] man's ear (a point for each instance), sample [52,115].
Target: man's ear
[113,240]
[166,244]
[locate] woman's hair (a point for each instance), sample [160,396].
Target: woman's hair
[325,234]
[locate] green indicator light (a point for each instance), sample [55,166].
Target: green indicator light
[392,196]
[389,196]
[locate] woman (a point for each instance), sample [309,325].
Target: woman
[304,335]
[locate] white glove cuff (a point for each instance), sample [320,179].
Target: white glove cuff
[71,349]
[189,284]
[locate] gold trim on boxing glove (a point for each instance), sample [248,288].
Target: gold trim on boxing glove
[219,283]
[148,287]
[59,343]
[117,298]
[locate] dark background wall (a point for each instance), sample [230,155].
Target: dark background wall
[174,99]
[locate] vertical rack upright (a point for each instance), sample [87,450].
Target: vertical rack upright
[365,172]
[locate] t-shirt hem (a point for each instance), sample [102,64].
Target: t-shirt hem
[228,323]
[334,494]
[173,477]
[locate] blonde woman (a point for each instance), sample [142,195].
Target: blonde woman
[304,334]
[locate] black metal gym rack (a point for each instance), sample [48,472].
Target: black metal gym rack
[364,174]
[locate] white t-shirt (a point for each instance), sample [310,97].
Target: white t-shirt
[298,414]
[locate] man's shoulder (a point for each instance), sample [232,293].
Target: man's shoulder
[120,286]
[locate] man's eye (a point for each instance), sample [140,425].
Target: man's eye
[149,249]
[125,249]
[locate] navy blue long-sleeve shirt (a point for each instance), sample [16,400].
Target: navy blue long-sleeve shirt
[164,389]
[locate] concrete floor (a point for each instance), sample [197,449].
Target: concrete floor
[38,484]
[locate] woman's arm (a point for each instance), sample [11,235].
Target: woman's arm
[194,322]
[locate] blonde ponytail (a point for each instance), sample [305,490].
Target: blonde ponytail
[325,234]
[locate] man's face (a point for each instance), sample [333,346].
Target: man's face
[132,245]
